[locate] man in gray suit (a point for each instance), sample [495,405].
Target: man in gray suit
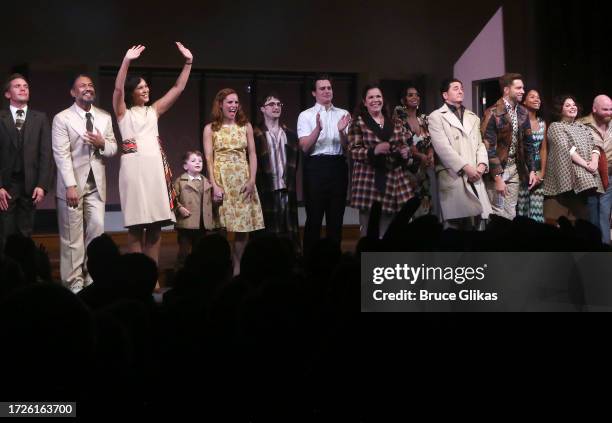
[82,138]
[26,161]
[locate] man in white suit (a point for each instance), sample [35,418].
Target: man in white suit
[82,138]
[461,161]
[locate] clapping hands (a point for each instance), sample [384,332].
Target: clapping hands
[344,122]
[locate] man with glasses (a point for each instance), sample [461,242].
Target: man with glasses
[323,137]
[277,160]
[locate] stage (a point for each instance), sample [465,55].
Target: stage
[169,249]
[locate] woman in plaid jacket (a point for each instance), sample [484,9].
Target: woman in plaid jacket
[380,151]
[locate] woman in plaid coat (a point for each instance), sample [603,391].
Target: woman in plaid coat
[380,151]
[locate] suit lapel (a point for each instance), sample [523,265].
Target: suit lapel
[469,120]
[193,185]
[100,121]
[452,119]
[76,122]
[9,123]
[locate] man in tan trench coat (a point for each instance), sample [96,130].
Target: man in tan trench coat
[461,161]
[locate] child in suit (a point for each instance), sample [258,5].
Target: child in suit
[194,211]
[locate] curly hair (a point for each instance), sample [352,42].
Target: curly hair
[557,106]
[216,113]
[539,113]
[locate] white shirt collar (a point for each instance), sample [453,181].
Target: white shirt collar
[321,108]
[197,177]
[14,111]
[82,112]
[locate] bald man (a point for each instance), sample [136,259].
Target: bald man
[599,121]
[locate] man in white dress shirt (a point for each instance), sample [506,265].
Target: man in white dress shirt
[323,138]
[82,137]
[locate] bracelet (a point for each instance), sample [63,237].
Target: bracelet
[189,63]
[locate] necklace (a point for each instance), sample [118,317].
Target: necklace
[381,124]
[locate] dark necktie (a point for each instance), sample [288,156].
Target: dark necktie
[89,123]
[19,120]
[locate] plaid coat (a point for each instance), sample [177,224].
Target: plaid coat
[272,216]
[398,191]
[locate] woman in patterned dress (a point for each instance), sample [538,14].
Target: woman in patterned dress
[231,160]
[531,202]
[379,148]
[572,167]
[145,180]
[415,127]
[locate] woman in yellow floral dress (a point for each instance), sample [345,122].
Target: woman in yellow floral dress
[232,165]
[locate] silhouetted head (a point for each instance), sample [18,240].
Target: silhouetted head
[265,258]
[51,335]
[138,276]
[102,258]
[23,250]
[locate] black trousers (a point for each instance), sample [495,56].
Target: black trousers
[19,218]
[325,185]
[187,239]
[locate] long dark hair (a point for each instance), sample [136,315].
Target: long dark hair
[362,110]
[131,82]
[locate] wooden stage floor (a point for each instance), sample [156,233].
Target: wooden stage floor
[169,249]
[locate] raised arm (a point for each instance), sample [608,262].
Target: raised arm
[119,93]
[162,105]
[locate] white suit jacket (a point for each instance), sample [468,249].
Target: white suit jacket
[74,156]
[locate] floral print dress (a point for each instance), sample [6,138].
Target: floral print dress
[231,170]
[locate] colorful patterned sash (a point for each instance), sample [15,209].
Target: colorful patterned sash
[129,146]
[168,175]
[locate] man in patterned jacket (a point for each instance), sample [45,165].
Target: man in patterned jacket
[506,132]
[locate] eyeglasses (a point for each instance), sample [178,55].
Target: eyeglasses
[274,103]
